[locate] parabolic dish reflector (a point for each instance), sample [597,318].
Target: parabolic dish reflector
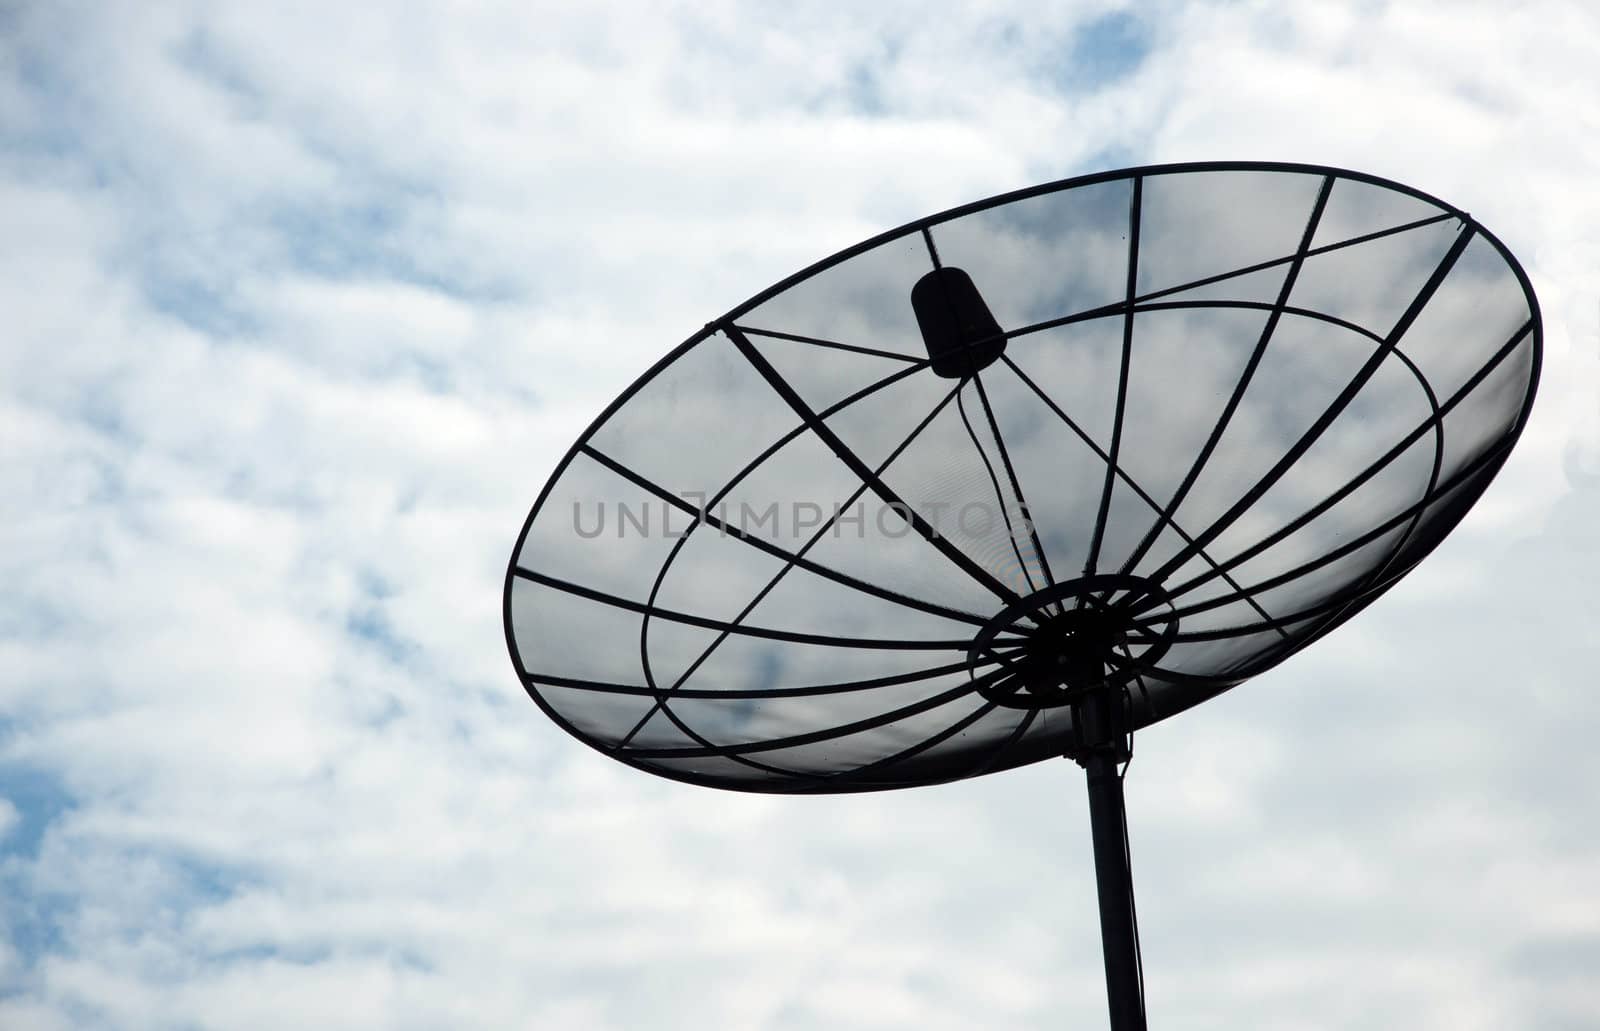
[1153,430]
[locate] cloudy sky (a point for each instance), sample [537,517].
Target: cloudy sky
[303,302]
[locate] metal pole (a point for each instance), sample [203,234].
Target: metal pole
[1101,727]
[1114,882]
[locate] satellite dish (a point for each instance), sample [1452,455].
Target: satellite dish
[1013,481]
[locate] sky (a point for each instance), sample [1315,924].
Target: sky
[303,303]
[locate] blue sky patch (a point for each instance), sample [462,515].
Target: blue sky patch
[1103,51]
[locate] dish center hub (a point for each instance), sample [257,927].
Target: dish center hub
[1064,643]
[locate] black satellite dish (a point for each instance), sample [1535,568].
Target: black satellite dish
[1012,481]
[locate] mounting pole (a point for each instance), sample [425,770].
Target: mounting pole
[1104,744]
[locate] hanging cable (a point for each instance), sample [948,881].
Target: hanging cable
[989,468]
[1127,847]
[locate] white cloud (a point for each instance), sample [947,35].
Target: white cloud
[304,302]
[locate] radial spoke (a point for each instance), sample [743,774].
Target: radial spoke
[768,633]
[999,751]
[1121,473]
[1460,477]
[1332,412]
[827,734]
[917,749]
[739,477]
[933,251]
[792,558]
[776,578]
[1280,624]
[1091,564]
[866,475]
[811,542]
[677,547]
[1432,423]
[836,345]
[1245,377]
[737,694]
[1118,307]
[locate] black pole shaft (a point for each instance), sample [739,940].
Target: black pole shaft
[1114,882]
